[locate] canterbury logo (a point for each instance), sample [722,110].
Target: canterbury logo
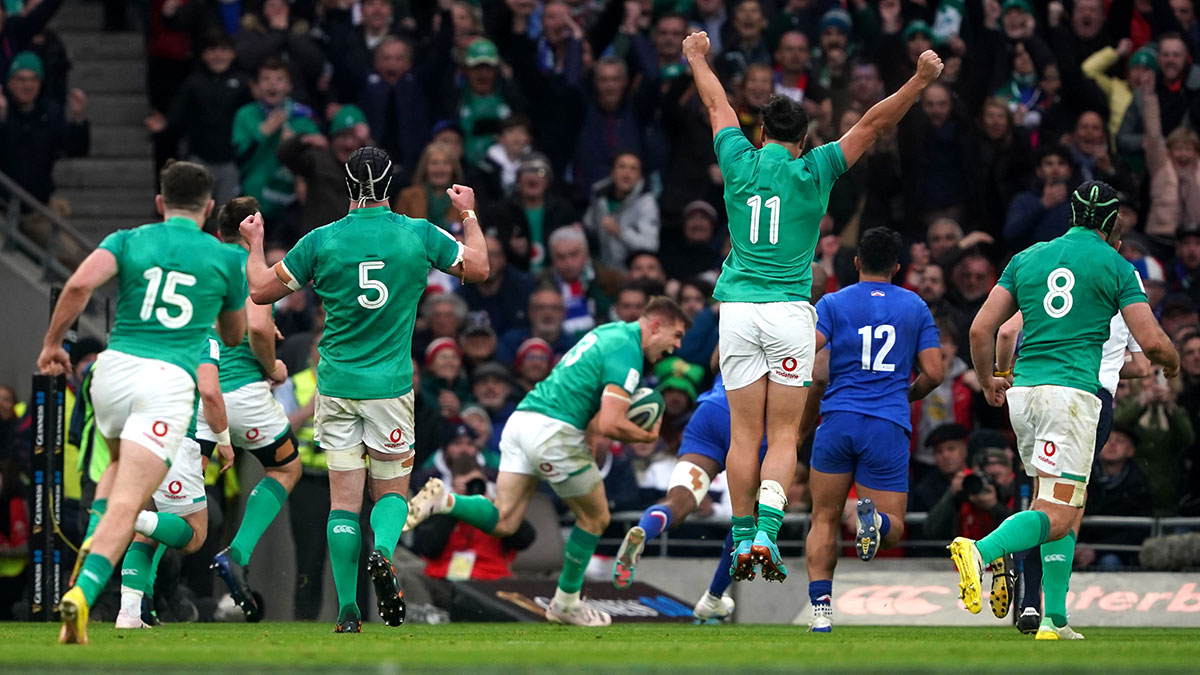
[343,529]
[1055,557]
[129,572]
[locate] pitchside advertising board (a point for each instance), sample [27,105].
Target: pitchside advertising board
[527,600]
[47,469]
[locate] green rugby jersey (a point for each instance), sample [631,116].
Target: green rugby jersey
[239,366]
[370,269]
[1068,290]
[173,282]
[775,205]
[210,353]
[610,354]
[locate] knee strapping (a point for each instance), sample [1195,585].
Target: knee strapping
[388,469]
[346,460]
[690,477]
[1062,491]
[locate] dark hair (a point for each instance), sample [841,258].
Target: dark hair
[947,330]
[666,308]
[1094,206]
[634,255]
[699,283]
[879,250]
[273,63]
[624,153]
[649,287]
[216,38]
[185,185]
[513,121]
[784,119]
[231,215]
[1054,151]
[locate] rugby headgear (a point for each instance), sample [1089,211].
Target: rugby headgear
[1094,206]
[368,175]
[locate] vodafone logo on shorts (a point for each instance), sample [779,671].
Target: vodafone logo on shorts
[252,434]
[787,368]
[159,429]
[175,487]
[396,438]
[1046,456]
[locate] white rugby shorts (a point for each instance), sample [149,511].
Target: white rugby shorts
[776,339]
[384,424]
[143,401]
[534,444]
[256,419]
[182,491]
[1056,429]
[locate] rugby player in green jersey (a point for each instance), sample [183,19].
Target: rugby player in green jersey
[775,197]
[1067,290]
[370,270]
[174,281]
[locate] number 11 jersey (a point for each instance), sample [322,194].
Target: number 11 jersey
[775,205]
[173,281]
[370,270]
[1068,290]
[875,331]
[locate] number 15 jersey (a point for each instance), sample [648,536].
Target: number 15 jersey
[369,269]
[775,205]
[173,281]
[875,331]
[1068,290]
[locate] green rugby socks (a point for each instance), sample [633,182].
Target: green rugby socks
[1057,558]
[93,576]
[578,552]
[387,521]
[475,510]
[1018,532]
[167,528]
[345,542]
[262,506]
[94,515]
[743,529]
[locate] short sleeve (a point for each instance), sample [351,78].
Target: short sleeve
[235,295]
[730,145]
[825,318]
[441,248]
[115,244]
[300,262]
[1008,278]
[1130,289]
[623,369]
[927,334]
[211,353]
[827,163]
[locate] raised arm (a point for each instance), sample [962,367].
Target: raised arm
[266,284]
[712,94]
[885,115]
[92,273]
[474,267]
[997,309]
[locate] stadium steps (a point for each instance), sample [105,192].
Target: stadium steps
[113,187]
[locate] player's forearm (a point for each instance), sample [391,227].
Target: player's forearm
[476,267]
[1162,352]
[214,412]
[712,94]
[1006,346]
[258,275]
[261,335]
[983,351]
[921,387]
[70,305]
[627,432]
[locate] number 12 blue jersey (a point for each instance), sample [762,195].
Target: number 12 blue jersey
[874,331]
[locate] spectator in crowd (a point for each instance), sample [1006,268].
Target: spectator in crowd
[530,215]
[999,168]
[746,44]
[699,250]
[349,46]
[1090,155]
[1041,213]
[477,418]
[1141,74]
[614,119]
[18,29]
[545,321]
[478,341]
[258,129]
[427,198]
[428,422]
[505,294]
[1164,433]
[623,214]
[492,388]
[533,362]
[1174,172]
[1189,399]
[14,539]
[395,102]
[946,445]
[486,99]
[646,266]
[576,277]
[934,146]
[202,114]
[694,296]
[977,500]
[1179,313]
[949,403]
[321,164]
[273,33]
[758,84]
[1183,273]
[972,278]
[631,300]
[495,175]
[709,16]
[1117,488]
[444,385]
[442,316]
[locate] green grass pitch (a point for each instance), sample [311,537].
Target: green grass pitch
[311,647]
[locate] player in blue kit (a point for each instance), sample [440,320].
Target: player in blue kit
[877,332]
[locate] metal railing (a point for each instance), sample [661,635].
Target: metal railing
[14,239]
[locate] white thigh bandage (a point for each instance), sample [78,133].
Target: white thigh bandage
[1047,485]
[346,460]
[692,477]
[387,470]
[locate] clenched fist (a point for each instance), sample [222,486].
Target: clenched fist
[695,46]
[462,197]
[929,67]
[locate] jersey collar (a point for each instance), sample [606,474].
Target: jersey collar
[180,221]
[1081,232]
[370,212]
[776,149]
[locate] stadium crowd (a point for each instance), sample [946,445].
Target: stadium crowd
[577,123]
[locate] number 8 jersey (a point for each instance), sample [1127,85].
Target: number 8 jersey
[1068,290]
[174,280]
[775,205]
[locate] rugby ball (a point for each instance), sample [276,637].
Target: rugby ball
[645,407]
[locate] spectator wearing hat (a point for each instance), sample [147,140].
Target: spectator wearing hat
[545,318]
[478,419]
[395,102]
[18,29]
[1183,273]
[1175,88]
[535,359]
[899,44]
[1140,75]
[677,382]
[492,388]
[202,114]
[947,447]
[427,198]
[1117,488]
[505,294]
[1179,313]
[831,59]
[623,213]
[977,500]
[699,251]
[478,341]
[486,98]
[444,386]
[528,217]
[495,175]
[321,164]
